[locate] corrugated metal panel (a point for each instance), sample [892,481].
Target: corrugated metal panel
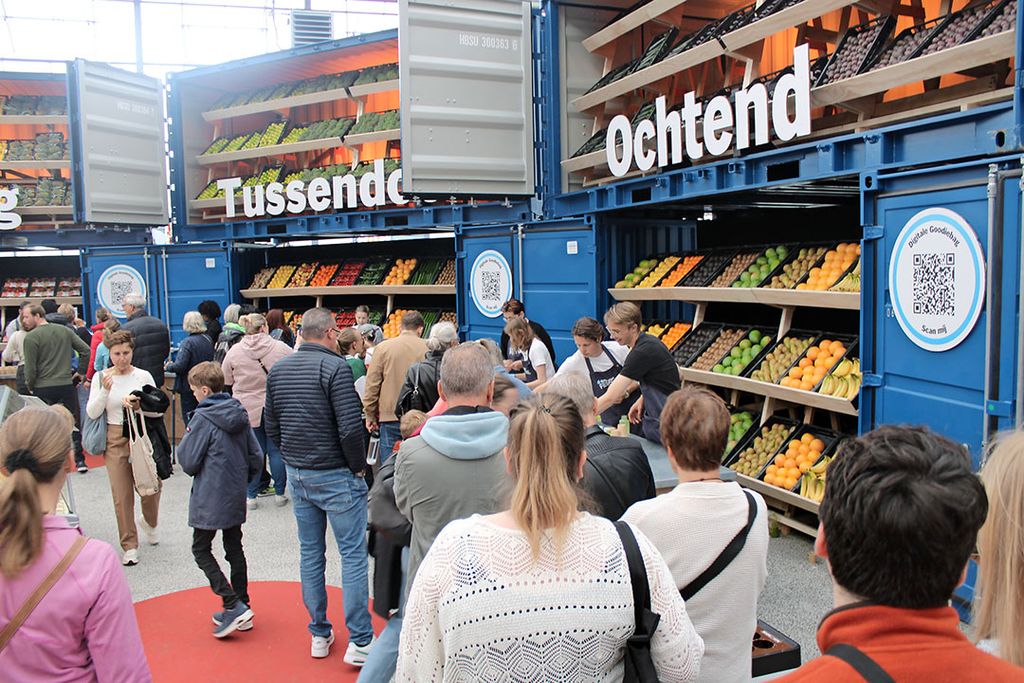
[578,70]
[24,83]
[118,155]
[467,98]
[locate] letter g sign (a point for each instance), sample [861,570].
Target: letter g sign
[8,202]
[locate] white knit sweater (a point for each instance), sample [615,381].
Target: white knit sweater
[690,526]
[481,609]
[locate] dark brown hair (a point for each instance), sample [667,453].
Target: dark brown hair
[275,319]
[588,328]
[346,339]
[207,374]
[117,337]
[412,321]
[513,306]
[695,428]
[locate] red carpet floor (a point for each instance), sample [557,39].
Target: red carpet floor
[93,461]
[176,631]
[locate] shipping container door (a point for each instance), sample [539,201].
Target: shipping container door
[118,153]
[467,97]
[110,274]
[190,274]
[486,278]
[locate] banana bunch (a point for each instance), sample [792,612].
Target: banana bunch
[850,283]
[844,381]
[812,483]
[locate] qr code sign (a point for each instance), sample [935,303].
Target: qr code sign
[119,289]
[491,282]
[934,284]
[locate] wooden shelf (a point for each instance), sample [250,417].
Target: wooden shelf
[358,139]
[775,493]
[73,300]
[584,161]
[752,386]
[381,290]
[34,120]
[32,164]
[975,53]
[269,151]
[276,105]
[635,19]
[365,89]
[44,210]
[753,295]
[215,203]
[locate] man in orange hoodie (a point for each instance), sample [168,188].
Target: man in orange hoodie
[900,517]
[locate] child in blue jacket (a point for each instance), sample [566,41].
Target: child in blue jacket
[221,453]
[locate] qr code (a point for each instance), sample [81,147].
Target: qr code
[119,289]
[492,286]
[934,285]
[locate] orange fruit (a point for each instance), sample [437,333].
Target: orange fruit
[795,443]
[805,466]
[807,438]
[807,362]
[817,445]
[795,373]
[824,343]
[806,385]
[790,463]
[780,461]
[790,482]
[812,353]
[769,479]
[772,469]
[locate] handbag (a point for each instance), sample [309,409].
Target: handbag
[639,666]
[94,433]
[140,456]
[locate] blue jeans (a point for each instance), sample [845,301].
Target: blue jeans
[277,468]
[383,658]
[339,497]
[390,434]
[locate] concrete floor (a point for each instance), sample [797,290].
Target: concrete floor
[797,594]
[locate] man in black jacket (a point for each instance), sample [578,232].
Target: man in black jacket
[617,472]
[514,308]
[314,416]
[152,338]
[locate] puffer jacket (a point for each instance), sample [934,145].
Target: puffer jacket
[313,413]
[419,391]
[221,453]
[152,344]
[193,350]
[616,474]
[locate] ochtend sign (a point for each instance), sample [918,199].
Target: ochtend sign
[723,125]
[341,192]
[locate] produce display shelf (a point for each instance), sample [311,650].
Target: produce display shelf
[383,290]
[635,19]
[33,164]
[73,300]
[34,120]
[365,89]
[215,203]
[585,161]
[973,54]
[272,150]
[752,386]
[45,210]
[753,295]
[780,494]
[372,136]
[731,42]
[276,105]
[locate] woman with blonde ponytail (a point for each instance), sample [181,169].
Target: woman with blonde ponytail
[542,584]
[65,609]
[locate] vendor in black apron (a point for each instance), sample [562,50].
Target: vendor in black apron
[649,365]
[588,335]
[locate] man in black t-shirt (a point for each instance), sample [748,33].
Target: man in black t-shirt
[513,308]
[649,365]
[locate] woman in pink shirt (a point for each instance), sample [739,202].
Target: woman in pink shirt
[83,628]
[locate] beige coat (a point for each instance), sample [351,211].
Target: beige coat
[392,359]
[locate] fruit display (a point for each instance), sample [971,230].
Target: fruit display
[814,365]
[322,130]
[614,75]
[400,272]
[427,272]
[795,271]
[281,277]
[69,286]
[374,121]
[676,332]
[449,317]
[393,326]
[803,451]
[274,92]
[844,381]
[656,329]
[906,44]
[307,174]
[812,483]
[44,147]
[777,362]
[837,261]
[362,168]
[732,272]
[1004,21]
[659,271]
[42,287]
[695,342]
[597,142]
[303,274]
[345,319]
[707,269]
[958,28]
[377,74]
[45,192]
[639,273]
[447,275]
[272,134]
[263,278]
[857,45]
[15,288]
[756,455]
[763,266]
[722,345]
[33,105]
[850,281]
[742,354]
[740,424]
[681,270]
[349,272]
[374,272]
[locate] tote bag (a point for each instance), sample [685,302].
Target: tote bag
[94,434]
[140,456]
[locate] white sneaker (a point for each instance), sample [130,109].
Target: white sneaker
[130,558]
[322,646]
[251,503]
[149,532]
[356,654]
[280,501]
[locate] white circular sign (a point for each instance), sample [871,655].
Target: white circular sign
[490,282]
[937,279]
[115,284]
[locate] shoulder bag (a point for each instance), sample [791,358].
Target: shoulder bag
[868,668]
[94,430]
[727,555]
[639,667]
[140,456]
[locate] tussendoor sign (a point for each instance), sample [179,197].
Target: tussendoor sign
[937,279]
[490,282]
[117,282]
[723,125]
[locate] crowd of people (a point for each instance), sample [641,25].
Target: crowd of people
[510,532]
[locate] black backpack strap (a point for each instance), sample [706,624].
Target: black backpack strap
[868,668]
[726,556]
[638,645]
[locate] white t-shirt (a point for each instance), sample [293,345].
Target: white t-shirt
[690,526]
[577,363]
[538,355]
[111,401]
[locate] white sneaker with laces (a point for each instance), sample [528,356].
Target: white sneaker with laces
[149,532]
[321,646]
[280,501]
[130,558]
[251,503]
[356,654]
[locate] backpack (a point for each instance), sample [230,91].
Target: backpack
[224,343]
[411,400]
